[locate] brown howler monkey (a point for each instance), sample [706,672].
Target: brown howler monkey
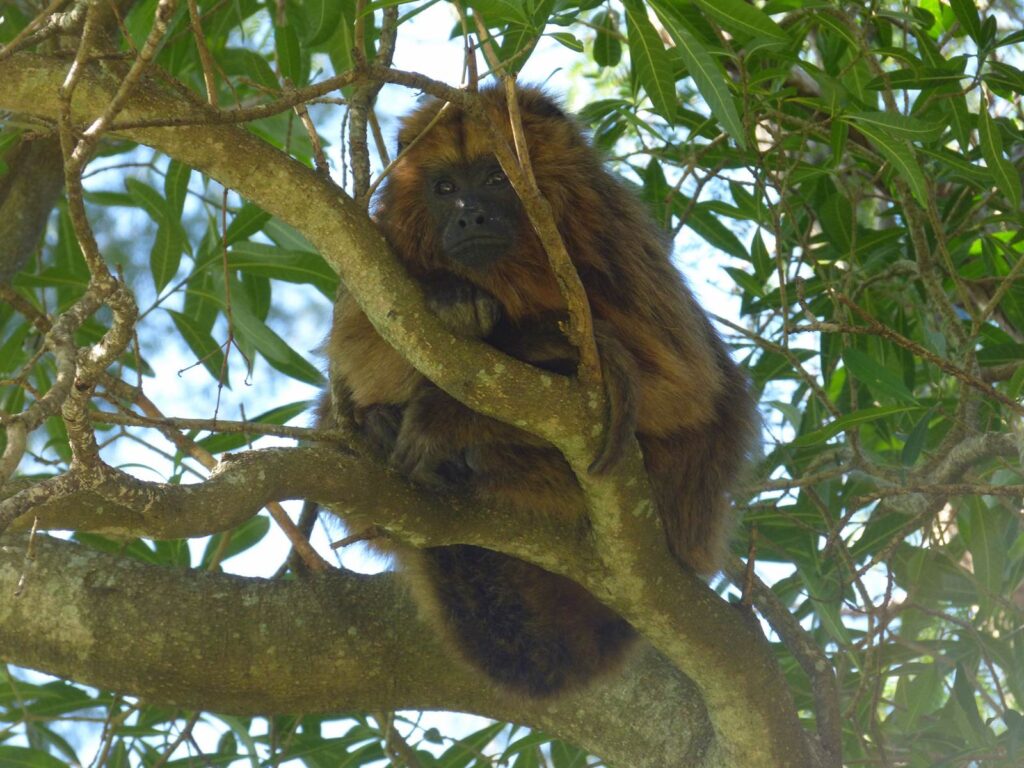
[452,217]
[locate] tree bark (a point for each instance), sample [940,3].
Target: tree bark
[327,643]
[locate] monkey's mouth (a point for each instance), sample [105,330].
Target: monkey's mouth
[479,252]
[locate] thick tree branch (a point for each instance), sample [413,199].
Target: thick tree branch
[244,483]
[329,643]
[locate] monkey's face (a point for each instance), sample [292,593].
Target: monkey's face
[475,210]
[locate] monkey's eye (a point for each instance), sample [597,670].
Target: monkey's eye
[443,187]
[496,178]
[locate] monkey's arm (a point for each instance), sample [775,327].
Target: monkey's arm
[437,430]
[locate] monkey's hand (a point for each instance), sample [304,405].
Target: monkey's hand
[429,448]
[380,424]
[465,309]
[543,344]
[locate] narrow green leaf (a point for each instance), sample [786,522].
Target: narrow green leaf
[972,726]
[900,154]
[742,18]
[984,531]
[607,46]
[650,60]
[846,422]
[710,227]
[924,695]
[322,19]
[25,757]
[707,73]
[280,264]
[248,220]
[501,11]
[915,79]
[571,42]
[1004,77]
[245,536]
[1004,174]
[289,54]
[899,126]
[204,347]
[273,348]
[147,198]
[176,187]
[165,258]
[839,27]
[915,441]
[958,167]
[282,414]
[1012,39]
[875,376]
[966,13]
[836,217]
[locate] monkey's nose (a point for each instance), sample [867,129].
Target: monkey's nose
[472,218]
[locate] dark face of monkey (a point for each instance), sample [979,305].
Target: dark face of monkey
[475,210]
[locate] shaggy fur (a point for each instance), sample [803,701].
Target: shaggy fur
[670,380]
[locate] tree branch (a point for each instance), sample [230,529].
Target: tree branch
[328,643]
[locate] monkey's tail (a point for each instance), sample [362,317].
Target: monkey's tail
[526,628]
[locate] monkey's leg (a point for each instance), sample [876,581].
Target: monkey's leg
[529,630]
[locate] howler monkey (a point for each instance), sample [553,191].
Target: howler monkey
[452,217]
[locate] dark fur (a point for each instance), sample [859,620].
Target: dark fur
[670,381]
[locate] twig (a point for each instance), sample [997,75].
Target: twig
[205,59]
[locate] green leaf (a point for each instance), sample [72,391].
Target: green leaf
[279,264]
[147,198]
[839,27]
[915,79]
[707,74]
[571,42]
[710,227]
[282,414]
[502,11]
[921,696]
[966,12]
[607,46]
[250,328]
[466,751]
[972,726]
[204,347]
[248,220]
[1004,174]
[24,757]
[848,421]
[289,54]
[743,19]
[900,154]
[245,536]
[1004,77]
[176,187]
[984,531]
[899,126]
[915,441]
[650,60]
[875,376]
[322,19]
[165,258]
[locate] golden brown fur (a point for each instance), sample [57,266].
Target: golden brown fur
[670,379]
